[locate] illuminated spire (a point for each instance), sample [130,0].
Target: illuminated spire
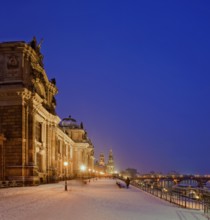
[110,164]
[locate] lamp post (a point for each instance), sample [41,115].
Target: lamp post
[89,174]
[65,165]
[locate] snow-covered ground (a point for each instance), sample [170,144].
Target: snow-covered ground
[97,200]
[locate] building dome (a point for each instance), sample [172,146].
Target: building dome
[70,123]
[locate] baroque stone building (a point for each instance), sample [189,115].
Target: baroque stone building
[107,168]
[33,141]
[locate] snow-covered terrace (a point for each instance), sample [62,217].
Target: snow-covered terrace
[97,200]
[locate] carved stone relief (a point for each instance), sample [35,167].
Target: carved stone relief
[12,65]
[12,62]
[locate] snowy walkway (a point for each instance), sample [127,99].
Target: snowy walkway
[101,199]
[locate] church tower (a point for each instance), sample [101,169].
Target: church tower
[101,160]
[110,164]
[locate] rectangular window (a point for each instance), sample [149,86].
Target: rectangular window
[39,131]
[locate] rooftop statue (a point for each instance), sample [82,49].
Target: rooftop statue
[37,48]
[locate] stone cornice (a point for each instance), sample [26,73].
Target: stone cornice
[39,109]
[64,136]
[31,55]
[81,145]
[36,99]
[25,94]
[14,93]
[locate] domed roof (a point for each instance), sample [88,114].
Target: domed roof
[69,123]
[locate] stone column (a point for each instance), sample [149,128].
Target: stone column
[26,134]
[48,152]
[92,162]
[75,161]
[2,157]
[31,150]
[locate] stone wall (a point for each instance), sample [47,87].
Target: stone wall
[27,108]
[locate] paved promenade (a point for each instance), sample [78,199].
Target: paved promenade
[97,200]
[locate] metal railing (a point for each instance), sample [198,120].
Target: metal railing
[183,197]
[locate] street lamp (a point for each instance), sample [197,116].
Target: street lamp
[82,168]
[89,174]
[65,165]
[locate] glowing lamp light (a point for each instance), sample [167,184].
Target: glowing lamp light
[82,167]
[65,163]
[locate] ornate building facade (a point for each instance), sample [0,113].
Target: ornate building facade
[107,168]
[33,142]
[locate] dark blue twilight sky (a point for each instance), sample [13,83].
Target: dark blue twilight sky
[137,73]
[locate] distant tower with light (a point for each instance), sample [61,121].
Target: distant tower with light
[110,164]
[101,160]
